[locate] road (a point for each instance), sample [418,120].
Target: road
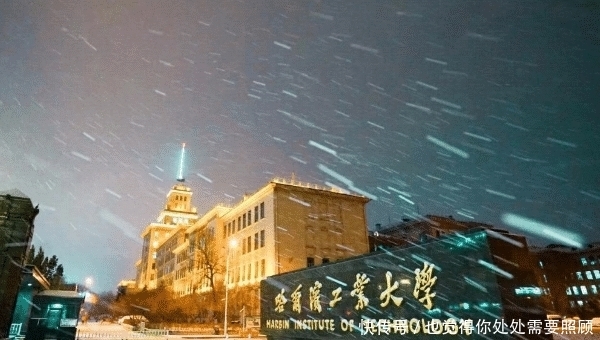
[107,331]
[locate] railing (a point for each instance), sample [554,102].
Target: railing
[124,334]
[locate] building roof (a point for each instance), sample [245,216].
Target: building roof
[13,192]
[61,293]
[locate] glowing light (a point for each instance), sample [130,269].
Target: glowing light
[180,175]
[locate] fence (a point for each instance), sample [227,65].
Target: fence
[122,335]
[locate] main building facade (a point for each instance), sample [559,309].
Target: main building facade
[284,226]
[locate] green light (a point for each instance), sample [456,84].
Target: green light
[180,176]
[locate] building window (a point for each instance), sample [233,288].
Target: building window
[256,270]
[588,275]
[597,274]
[249,244]
[244,221]
[575,290]
[541,264]
[325,260]
[256,214]
[243,247]
[584,261]
[580,303]
[262,238]
[572,303]
[592,260]
[239,223]
[310,261]
[579,276]
[249,217]
[262,268]
[594,289]
[583,290]
[262,210]
[569,291]
[545,278]
[256,241]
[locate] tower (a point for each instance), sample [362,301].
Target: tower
[177,212]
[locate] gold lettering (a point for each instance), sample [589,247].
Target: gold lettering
[358,291]
[280,301]
[296,295]
[386,295]
[315,297]
[424,280]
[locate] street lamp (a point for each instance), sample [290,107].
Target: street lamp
[232,244]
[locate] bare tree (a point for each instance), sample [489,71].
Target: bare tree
[206,260]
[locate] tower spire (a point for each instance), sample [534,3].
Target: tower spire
[180,175]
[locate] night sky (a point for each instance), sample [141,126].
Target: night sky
[485,110]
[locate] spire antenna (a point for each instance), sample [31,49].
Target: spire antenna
[180,175]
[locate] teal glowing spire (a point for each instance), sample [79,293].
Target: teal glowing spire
[180,175]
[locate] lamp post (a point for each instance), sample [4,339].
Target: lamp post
[232,244]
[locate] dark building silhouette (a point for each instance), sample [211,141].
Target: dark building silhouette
[32,283]
[519,289]
[570,279]
[17,214]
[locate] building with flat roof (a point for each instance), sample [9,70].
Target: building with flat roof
[17,214]
[284,226]
[570,279]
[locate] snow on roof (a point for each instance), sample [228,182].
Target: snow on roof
[13,192]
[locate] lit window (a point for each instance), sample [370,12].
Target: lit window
[597,274]
[583,290]
[575,290]
[541,264]
[594,289]
[584,261]
[579,276]
[572,303]
[579,302]
[592,260]
[545,278]
[588,275]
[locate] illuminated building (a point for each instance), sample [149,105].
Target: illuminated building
[178,212]
[16,230]
[570,279]
[284,226]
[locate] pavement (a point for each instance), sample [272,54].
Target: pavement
[104,330]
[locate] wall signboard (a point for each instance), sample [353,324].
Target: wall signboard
[446,288]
